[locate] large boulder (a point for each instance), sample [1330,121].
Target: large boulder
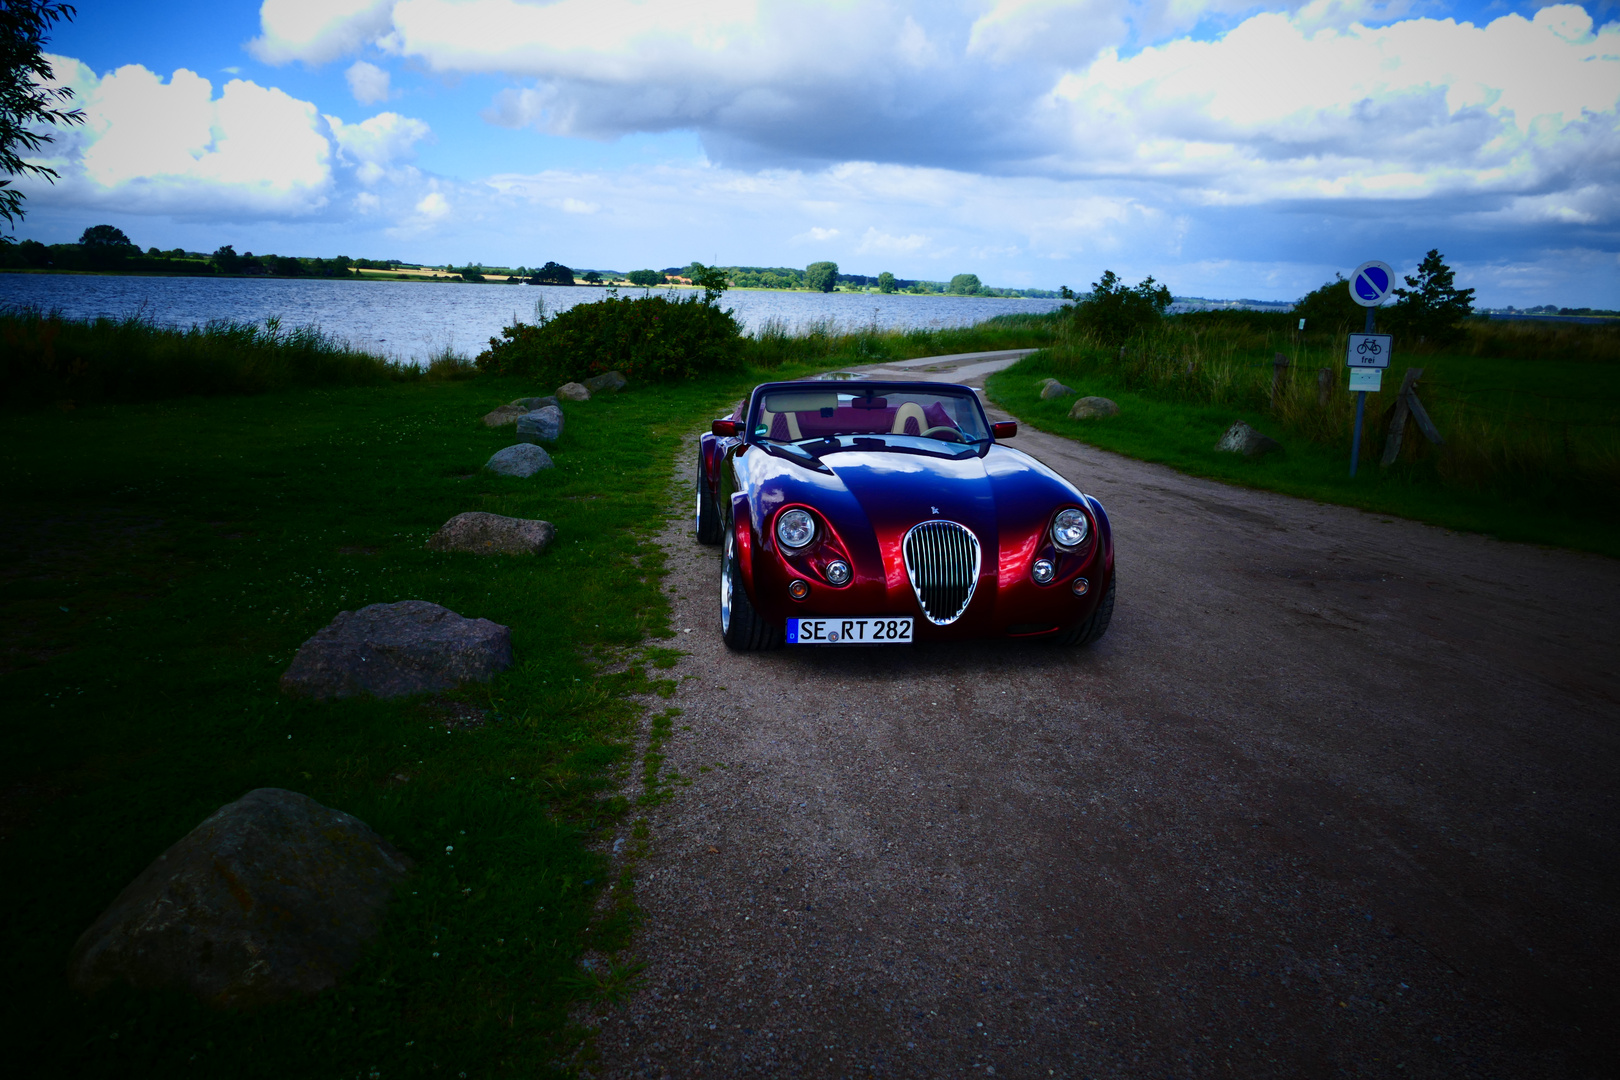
[573,391]
[492,534]
[1054,389]
[607,382]
[272,897]
[1240,438]
[390,650]
[1089,408]
[506,414]
[541,426]
[522,460]
[529,404]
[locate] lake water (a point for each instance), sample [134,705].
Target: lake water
[413,319]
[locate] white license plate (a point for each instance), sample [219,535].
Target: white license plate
[861,631]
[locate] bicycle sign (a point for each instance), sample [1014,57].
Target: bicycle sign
[1369,350]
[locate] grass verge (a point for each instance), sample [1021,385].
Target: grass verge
[161,564]
[1182,434]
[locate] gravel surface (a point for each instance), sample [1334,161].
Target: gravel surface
[1334,797]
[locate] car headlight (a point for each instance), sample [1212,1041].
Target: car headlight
[1070,528]
[795,529]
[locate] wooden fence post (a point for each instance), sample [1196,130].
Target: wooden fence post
[1324,386]
[1407,404]
[1279,364]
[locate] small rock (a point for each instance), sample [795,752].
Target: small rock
[506,414]
[1054,389]
[610,381]
[1088,408]
[391,650]
[1044,383]
[574,391]
[273,897]
[541,426]
[522,460]
[529,404]
[1240,438]
[492,534]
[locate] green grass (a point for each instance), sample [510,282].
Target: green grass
[161,564]
[1154,426]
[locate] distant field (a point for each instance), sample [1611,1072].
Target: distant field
[1531,428]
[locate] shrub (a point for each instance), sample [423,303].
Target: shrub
[648,338]
[1329,309]
[1113,314]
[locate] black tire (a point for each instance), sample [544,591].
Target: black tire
[709,528]
[740,625]
[1090,631]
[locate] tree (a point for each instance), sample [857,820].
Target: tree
[26,101]
[553,273]
[711,279]
[1114,313]
[227,261]
[821,276]
[105,246]
[1432,306]
[645,278]
[885,282]
[591,277]
[965,284]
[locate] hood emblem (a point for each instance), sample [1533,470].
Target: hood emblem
[935,509]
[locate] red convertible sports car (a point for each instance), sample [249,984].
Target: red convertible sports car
[874,513]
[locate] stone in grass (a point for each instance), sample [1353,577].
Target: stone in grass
[1054,389]
[273,897]
[608,381]
[522,460]
[492,534]
[573,391]
[506,414]
[391,650]
[529,404]
[1089,408]
[1240,438]
[541,426]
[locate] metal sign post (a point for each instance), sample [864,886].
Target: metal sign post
[1369,353]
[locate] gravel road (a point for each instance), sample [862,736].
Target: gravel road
[1335,797]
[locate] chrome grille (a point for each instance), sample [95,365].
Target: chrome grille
[942,560]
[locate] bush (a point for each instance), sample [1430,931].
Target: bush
[1113,314]
[648,338]
[1329,309]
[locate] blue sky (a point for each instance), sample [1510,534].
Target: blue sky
[1227,148]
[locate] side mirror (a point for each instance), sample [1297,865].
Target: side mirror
[1004,429]
[726,429]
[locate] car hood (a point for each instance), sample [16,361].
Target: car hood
[895,491]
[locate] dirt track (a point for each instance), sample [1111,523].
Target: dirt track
[1335,796]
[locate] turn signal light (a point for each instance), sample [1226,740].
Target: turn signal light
[798,588]
[1081,586]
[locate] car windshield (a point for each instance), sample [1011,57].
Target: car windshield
[792,415]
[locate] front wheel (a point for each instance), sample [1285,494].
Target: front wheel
[1091,630]
[740,625]
[708,514]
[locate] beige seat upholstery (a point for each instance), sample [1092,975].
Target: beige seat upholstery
[768,418]
[909,411]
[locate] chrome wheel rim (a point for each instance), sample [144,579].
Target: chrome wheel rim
[725,587]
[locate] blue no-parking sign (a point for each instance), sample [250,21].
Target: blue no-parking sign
[1371,283]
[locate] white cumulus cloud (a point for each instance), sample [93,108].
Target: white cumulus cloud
[367,82]
[317,31]
[173,146]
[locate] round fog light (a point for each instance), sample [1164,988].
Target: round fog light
[798,589]
[1042,571]
[838,572]
[1081,586]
